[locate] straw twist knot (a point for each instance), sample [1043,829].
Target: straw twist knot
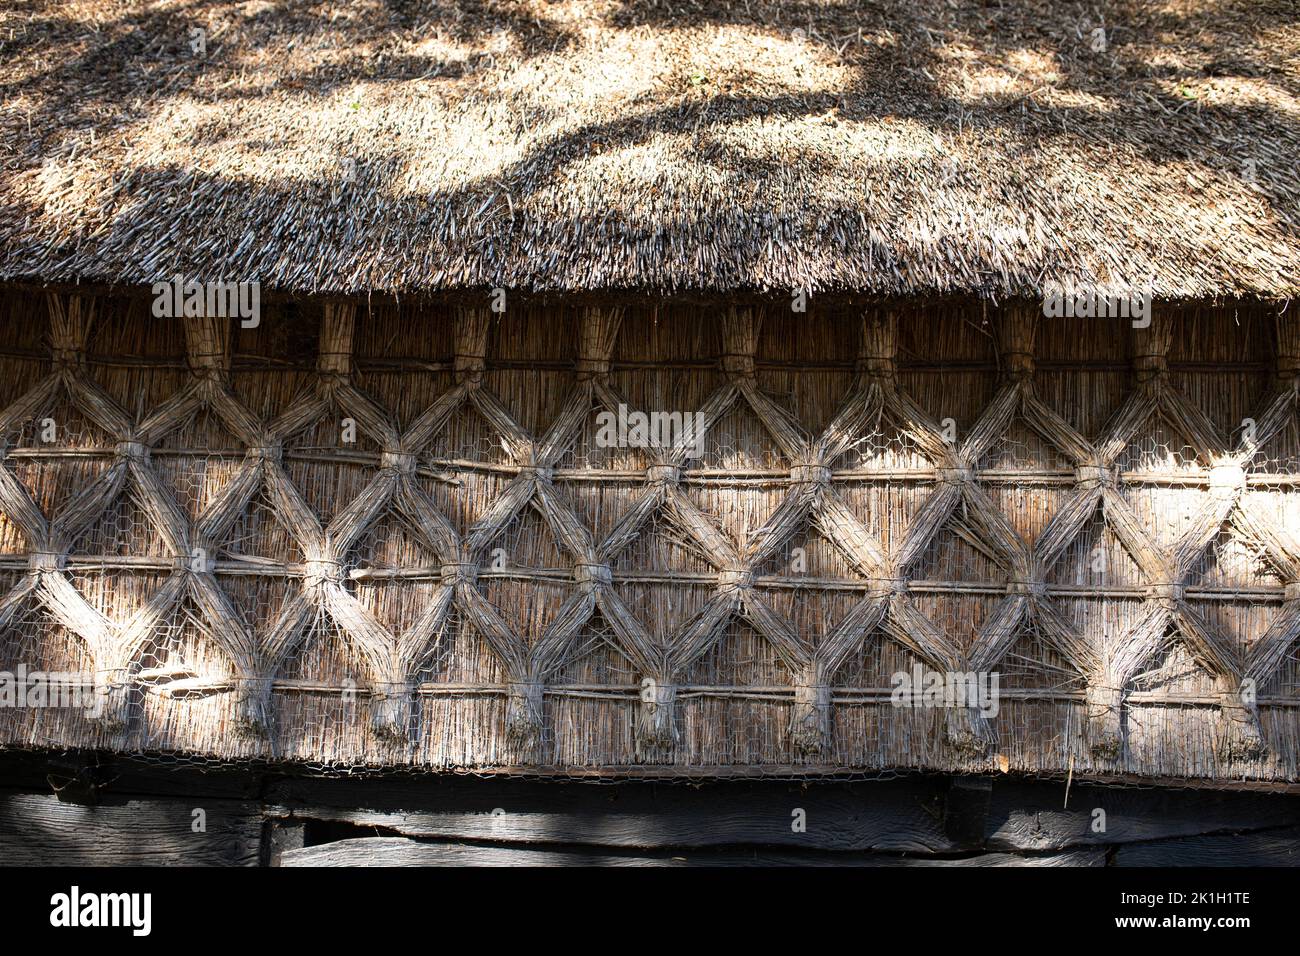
[738,366]
[461,572]
[810,474]
[885,587]
[185,562]
[735,579]
[132,451]
[1018,366]
[592,368]
[876,366]
[1227,480]
[401,462]
[65,358]
[663,474]
[319,571]
[1150,367]
[268,453]
[540,473]
[469,367]
[46,561]
[1089,477]
[1027,588]
[592,574]
[1167,593]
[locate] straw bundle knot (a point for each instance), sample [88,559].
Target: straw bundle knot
[114,704]
[390,711]
[597,334]
[593,575]
[1288,349]
[1018,366]
[1150,367]
[669,475]
[1091,477]
[1167,594]
[1015,333]
[253,708]
[1104,709]
[1239,734]
[524,713]
[735,579]
[203,563]
[132,451]
[538,473]
[592,368]
[810,722]
[459,572]
[271,454]
[656,725]
[1227,480]
[885,587]
[402,463]
[318,572]
[960,475]
[471,345]
[469,369]
[67,360]
[810,474]
[1150,362]
[47,561]
[879,347]
[1027,587]
[738,366]
[968,732]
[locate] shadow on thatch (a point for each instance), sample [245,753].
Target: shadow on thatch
[892,149]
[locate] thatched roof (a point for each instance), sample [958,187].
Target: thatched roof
[888,147]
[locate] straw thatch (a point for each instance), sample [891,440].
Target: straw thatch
[887,147]
[472,579]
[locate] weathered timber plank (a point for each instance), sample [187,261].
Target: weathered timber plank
[399,851]
[1265,848]
[39,830]
[902,816]
[966,810]
[280,836]
[1031,816]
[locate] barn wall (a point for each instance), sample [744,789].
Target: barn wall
[360,536]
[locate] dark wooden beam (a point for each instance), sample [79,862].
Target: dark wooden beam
[1033,816]
[1265,848]
[401,851]
[899,815]
[39,830]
